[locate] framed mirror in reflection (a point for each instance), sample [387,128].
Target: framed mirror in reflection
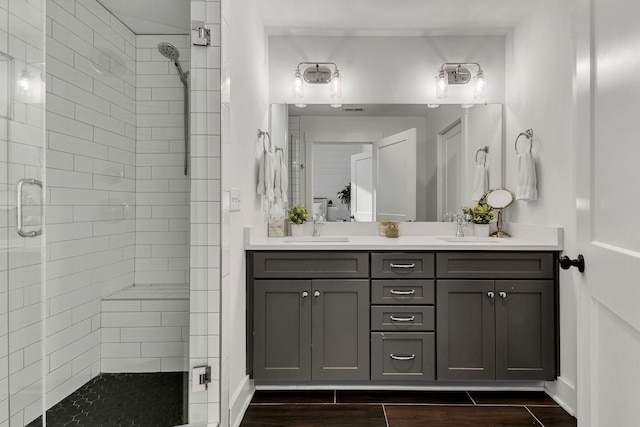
[403,162]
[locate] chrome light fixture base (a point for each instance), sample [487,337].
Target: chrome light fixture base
[317,75]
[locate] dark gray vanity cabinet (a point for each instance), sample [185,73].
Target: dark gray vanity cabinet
[496,316]
[310,328]
[402,316]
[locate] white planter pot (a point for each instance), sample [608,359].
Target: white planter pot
[481,230]
[297,230]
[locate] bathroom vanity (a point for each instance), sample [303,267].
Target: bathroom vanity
[402,311]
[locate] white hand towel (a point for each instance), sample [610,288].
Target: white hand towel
[281,181]
[527,181]
[284,177]
[266,176]
[277,172]
[479,183]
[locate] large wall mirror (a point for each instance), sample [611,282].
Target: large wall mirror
[401,161]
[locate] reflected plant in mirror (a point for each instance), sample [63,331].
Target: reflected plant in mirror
[405,162]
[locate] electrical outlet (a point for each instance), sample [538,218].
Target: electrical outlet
[235,202]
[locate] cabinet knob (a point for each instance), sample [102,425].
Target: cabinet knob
[503,294]
[305,294]
[316,294]
[490,294]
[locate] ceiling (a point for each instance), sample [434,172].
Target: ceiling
[152,16]
[340,17]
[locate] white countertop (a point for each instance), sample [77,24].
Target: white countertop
[414,236]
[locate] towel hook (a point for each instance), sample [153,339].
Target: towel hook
[484,150]
[263,133]
[529,135]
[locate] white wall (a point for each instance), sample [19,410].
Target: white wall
[249,110]
[540,67]
[385,69]
[91,130]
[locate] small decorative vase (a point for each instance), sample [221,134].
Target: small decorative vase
[297,230]
[481,230]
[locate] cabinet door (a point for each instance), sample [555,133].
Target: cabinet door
[525,325]
[282,330]
[340,329]
[465,329]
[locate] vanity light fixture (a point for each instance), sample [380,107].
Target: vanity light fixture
[458,74]
[318,73]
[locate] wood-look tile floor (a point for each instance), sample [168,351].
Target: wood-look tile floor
[329,408]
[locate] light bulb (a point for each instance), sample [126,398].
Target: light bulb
[479,85]
[442,85]
[336,85]
[298,85]
[24,83]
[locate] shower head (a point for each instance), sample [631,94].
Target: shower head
[169,51]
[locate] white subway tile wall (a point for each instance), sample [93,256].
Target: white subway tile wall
[206,199]
[145,329]
[91,182]
[21,154]
[162,189]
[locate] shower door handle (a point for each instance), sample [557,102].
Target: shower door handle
[20,185]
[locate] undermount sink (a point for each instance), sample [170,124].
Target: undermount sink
[470,240]
[320,239]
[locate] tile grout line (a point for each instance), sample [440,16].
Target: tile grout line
[533,415]
[473,401]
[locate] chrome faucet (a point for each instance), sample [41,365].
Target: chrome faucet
[318,221]
[462,221]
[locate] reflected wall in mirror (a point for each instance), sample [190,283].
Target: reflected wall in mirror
[329,147]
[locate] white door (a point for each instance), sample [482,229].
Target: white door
[362,186]
[394,177]
[608,175]
[450,170]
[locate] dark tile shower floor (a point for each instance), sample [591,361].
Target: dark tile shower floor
[344,408]
[119,400]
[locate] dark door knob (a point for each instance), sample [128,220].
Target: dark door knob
[566,263]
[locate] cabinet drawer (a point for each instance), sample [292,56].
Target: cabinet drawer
[303,265]
[408,356]
[398,318]
[402,292]
[401,265]
[495,265]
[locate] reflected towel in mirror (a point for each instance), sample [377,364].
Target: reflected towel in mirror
[281,181]
[480,182]
[527,180]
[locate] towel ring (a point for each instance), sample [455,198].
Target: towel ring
[484,150]
[529,135]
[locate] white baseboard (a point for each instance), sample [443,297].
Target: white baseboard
[564,394]
[239,401]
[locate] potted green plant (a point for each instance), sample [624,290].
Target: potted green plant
[297,216]
[345,195]
[480,215]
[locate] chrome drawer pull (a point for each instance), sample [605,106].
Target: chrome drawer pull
[394,357]
[392,265]
[402,319]
[394,292]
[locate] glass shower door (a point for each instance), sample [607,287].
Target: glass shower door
[21,211]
